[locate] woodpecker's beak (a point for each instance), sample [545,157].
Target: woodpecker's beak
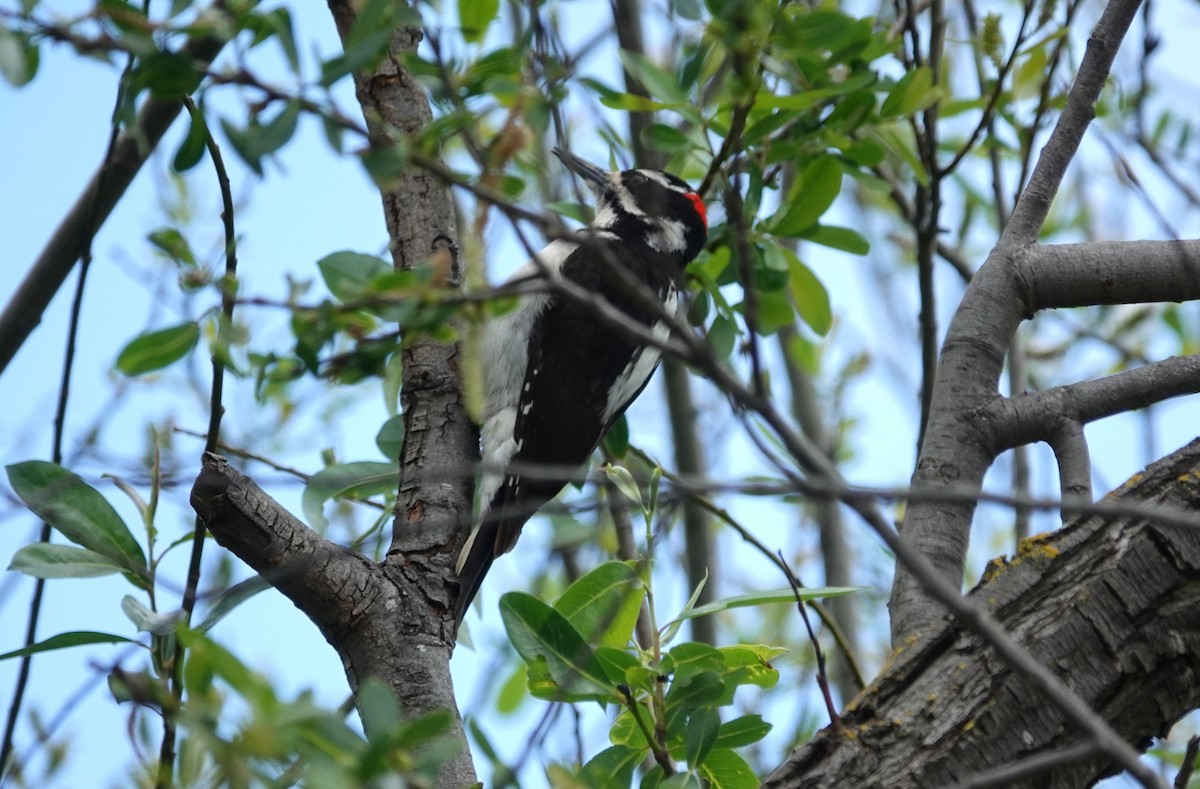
[589,172]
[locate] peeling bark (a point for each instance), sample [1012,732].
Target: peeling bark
[1111,603]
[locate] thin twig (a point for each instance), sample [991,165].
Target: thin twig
[835,720]
[60,417]
[216,410]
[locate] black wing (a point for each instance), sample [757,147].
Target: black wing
[574,359]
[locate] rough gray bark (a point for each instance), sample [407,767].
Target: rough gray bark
[973,423]
[390,620]
[374,615]
[1111,603]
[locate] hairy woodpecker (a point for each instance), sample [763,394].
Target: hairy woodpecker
[556,376]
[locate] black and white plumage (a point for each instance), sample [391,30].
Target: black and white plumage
[556,376]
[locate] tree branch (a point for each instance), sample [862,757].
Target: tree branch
[1112,603]
[24,310]
[1031,210]
[364,610]
[1037,416]
[1110,272]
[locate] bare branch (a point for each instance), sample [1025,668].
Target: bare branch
[1074,462]
[24,310]
[1031,210]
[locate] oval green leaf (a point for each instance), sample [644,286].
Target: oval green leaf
[359,479]
[48,560]
[814,192]
[724,769]
[700,735]
[474,16]
[157,349]
[543,637]
[347,274]
[812,300]
[603,605]
[76,509]
[77,638]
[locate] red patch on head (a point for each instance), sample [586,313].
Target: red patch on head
[699,205]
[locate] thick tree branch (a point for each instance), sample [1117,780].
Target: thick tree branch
[440,441]
[958,448]
[1074,461]
[1110,272]
[1111,604]
[364,610]
[1036,416]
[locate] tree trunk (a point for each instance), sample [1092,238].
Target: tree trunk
[1110,602]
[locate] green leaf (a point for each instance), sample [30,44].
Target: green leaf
[620,476]
[724,769]
[698,690]
[612,768]
[687,780]
[721,336]
[543,637]
[474,17]
[170,241]
[358,479]
[378,708]
[230,599]
[692,658]
[79,638]
[766,598]
[618,665]
[243,142]
[700,735]
[193,145]
[166,73]
[774,312]
[898,141]
[913,93]
[18,57]
[278,131]
[348,274]
[810,197]
[149,621]
[812,300]
[158,349]
[616,440]
[512,691]
[1030,74]
[742,731]
[76,509]
[358,55]
[390,438]
[660,84]
[625,730]
[662,137]
[834,237]
[47,560]
[603,605]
